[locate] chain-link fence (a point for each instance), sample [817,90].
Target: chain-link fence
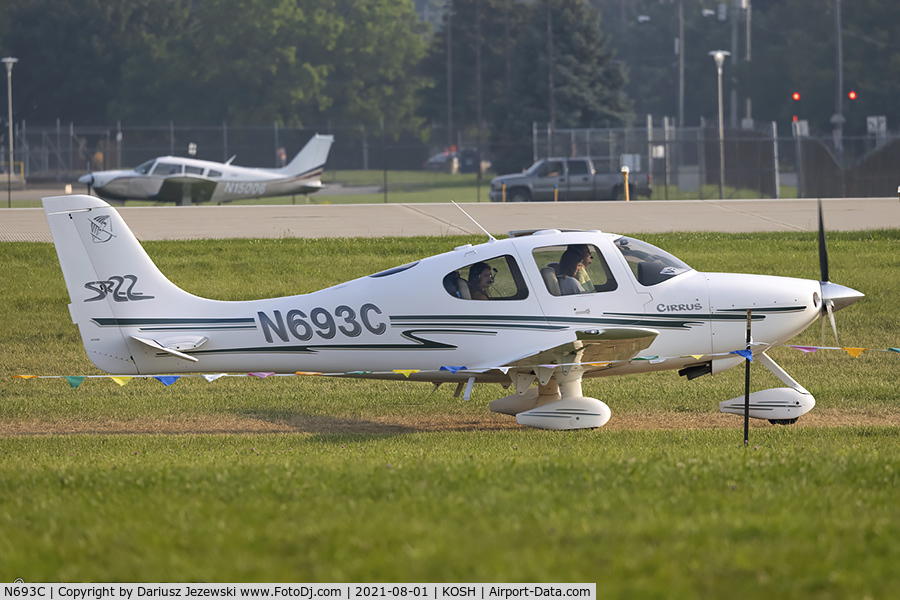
[682,162]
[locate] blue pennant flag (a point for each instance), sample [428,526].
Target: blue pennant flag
[745,353]
[167,379]
[452,369]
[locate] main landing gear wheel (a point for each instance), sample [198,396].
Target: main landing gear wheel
[783,421]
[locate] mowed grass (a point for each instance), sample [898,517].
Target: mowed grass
[314,479]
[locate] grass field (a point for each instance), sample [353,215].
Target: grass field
[314,479]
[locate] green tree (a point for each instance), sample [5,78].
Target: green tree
[372,78]
[71,52]
[498,37]
[240,61]
[587,83]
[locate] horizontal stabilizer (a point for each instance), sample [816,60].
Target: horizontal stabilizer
[157,346]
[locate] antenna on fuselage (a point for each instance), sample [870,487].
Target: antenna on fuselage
[493,239]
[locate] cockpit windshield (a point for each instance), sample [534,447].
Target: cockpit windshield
[144,168]
[649,264]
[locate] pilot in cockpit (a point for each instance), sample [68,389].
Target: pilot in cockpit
[481,277]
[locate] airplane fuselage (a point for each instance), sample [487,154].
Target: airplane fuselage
[188,180]
[406,320]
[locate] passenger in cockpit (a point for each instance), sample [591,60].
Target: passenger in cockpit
[582,274]
[568,269]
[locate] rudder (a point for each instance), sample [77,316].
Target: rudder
[109,276]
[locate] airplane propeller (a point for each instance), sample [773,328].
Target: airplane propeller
[834,296]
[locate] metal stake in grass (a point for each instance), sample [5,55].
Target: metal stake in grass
[747,385]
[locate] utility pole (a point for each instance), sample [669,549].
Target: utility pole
[449,74]
[838,118]
[550,78]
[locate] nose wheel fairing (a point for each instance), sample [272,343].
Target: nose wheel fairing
[778,405]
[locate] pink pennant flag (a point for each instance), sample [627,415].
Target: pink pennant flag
[260,374]
[805,349]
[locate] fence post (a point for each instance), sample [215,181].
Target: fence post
[775,164]
[224,141]
[667,134]
[649,147]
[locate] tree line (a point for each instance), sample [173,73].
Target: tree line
[488,69]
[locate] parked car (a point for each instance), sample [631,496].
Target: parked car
[569,179]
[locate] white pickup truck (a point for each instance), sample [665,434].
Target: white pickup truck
[566,179]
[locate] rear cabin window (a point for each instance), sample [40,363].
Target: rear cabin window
[573,269]
[496,278]
[193,170]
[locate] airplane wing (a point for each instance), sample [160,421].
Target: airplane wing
[175,189]
[592,348]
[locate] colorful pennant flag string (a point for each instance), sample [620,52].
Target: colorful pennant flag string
[76,381]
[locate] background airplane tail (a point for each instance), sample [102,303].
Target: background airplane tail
[111,280]
[311,159]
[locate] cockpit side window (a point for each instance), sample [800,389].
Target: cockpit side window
[496,278]
[144,167]
[193,170]
[649,264]
[167,169]
[574,269]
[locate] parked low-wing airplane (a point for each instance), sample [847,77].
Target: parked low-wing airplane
[545,306]
[190,180]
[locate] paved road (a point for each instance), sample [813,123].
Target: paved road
[367,220]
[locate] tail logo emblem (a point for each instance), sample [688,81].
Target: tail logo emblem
[101,229]
[116,287]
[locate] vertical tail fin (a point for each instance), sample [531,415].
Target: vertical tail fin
[311,158]
[111,280]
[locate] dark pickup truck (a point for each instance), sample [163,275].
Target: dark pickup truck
[566,179]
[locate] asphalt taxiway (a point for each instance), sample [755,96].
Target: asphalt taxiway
[368,220]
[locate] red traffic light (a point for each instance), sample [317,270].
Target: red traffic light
[796,96]
[852,95]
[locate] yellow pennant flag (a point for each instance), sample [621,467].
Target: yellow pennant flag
[306,373]
[406,372]
[854,352]
[25,376]
[122,380]
[697,356]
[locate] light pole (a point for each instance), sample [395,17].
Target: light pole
[719,57]
[9,61]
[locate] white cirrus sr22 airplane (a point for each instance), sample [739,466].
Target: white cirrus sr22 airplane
[537,312]
[189,180]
